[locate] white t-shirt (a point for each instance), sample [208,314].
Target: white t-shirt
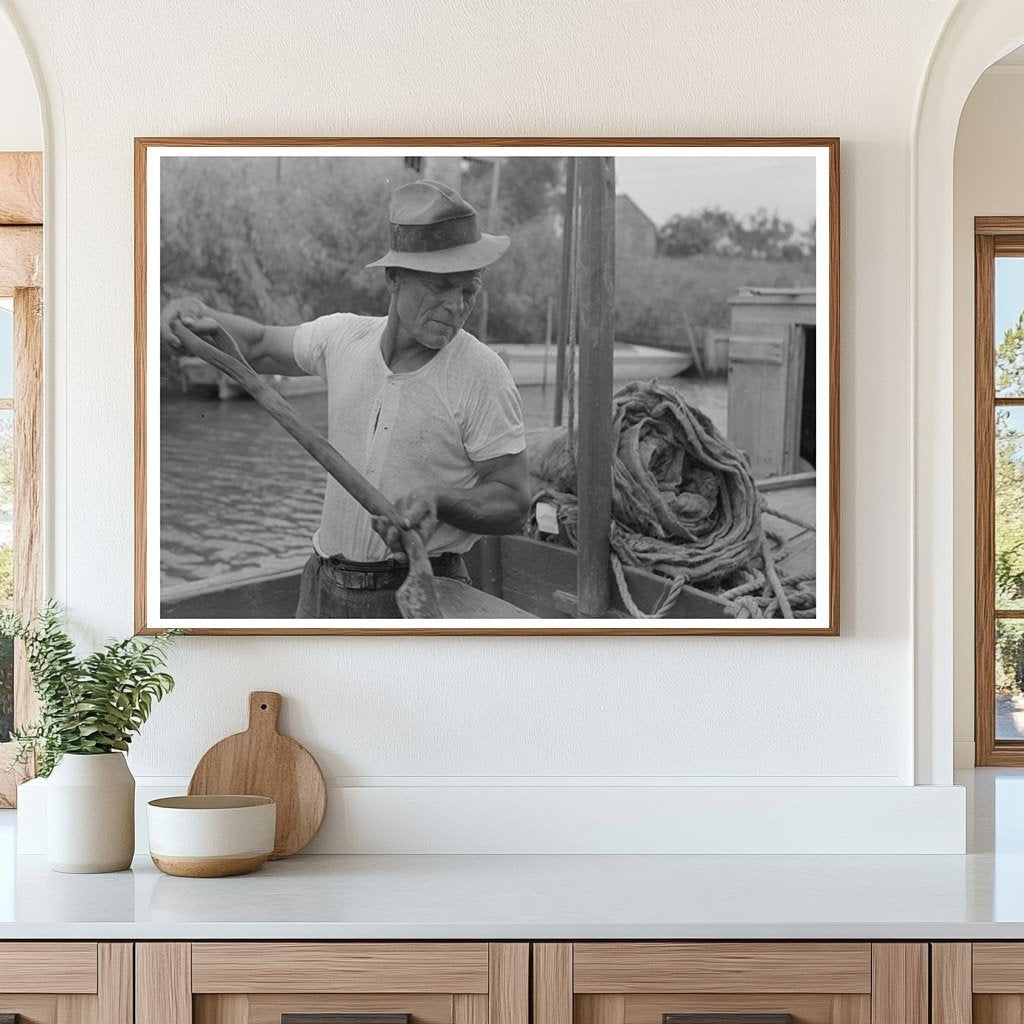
[404,431]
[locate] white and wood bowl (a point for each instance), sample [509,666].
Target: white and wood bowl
[211,836]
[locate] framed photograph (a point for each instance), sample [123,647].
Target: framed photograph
[503,386]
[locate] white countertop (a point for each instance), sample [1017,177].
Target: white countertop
[517,897]
[977,896]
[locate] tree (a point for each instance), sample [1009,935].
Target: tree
[711,231]
[1009,506]
[1009,655]
[708,231]
[529,187]
[1009,470]
[764,235]
[1010,362]
[1009,511]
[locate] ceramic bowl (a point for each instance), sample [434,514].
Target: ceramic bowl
[211,836]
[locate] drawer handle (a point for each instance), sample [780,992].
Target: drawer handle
[727,1018]
[339,1018]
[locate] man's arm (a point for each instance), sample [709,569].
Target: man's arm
[498,504]
[266,349]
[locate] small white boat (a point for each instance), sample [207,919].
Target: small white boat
[631,362]
[198,377]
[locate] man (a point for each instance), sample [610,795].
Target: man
[420,407]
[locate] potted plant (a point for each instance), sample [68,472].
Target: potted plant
[89,710]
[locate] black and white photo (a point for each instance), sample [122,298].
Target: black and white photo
[468,387]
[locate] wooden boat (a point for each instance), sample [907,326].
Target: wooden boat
[541,576]
[249,594]
[198,377]
[629,362]
[536,575]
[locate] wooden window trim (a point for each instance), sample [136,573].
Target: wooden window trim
[21,269]
[993,237]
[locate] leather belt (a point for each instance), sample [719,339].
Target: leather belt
[387,575]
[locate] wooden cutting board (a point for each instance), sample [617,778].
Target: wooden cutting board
[262,762]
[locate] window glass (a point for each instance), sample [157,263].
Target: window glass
[6,567]
[1009,679]
[1009,512]
[1009,327]
[6,353]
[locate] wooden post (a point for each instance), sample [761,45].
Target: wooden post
[547,344]
[564,305]
[492,215]
[596,338]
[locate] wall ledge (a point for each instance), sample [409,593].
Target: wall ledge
[680,819]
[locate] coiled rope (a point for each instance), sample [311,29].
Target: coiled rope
[684,506]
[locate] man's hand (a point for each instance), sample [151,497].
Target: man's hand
[265,349]
[186,306]
[498,504]
[206,329]
[419,510]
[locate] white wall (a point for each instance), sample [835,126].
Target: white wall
[443,714]
[987,182]
[21,127]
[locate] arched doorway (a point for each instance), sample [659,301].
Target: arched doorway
[977,33]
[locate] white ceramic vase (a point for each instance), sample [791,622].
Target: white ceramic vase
[90,814]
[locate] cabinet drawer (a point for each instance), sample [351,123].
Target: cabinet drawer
[66,982]
[730,983]
[332,983]
[65,967]
[340,967]
[748,967]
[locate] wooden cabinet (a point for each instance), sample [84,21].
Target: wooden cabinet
[753,982]
[66,982]
[308,982]
[499,983]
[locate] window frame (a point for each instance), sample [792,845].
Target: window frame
[21,278]
[993,237]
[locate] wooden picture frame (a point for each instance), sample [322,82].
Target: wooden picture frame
[578,591]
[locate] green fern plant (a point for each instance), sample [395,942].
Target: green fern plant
[90,705]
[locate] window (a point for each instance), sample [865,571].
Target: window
[21,321]
[6,511]
[999,490]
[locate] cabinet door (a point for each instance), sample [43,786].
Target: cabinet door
[981,982]
[730,983]
[332,983]
[66,982]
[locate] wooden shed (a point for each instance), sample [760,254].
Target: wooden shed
[772,378]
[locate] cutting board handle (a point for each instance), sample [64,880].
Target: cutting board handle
[264,710]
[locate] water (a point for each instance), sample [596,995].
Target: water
[237,493]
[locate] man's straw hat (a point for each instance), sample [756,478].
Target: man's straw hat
[434,229]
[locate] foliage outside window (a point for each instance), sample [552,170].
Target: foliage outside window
[1009,512]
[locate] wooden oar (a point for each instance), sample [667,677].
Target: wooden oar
[421,596]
